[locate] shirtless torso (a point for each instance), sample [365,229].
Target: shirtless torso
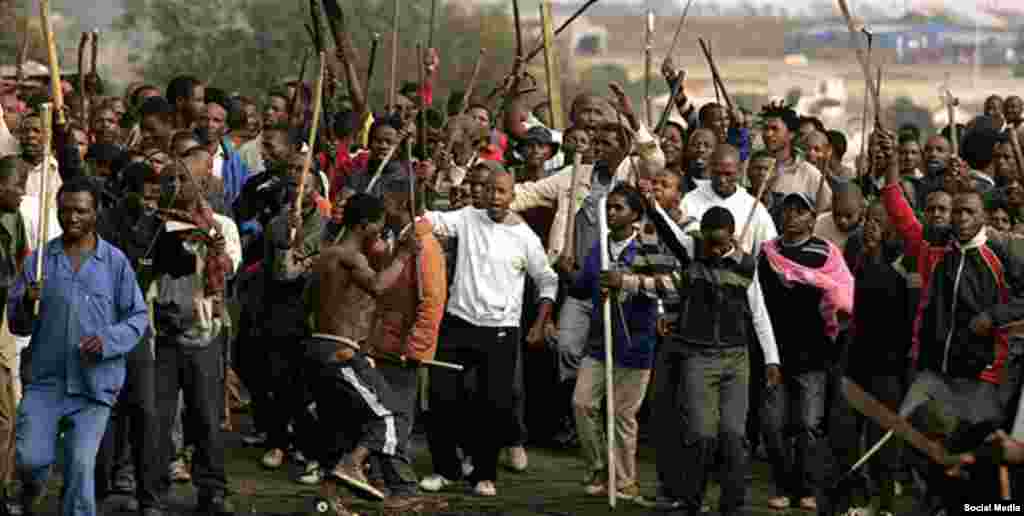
[345,287]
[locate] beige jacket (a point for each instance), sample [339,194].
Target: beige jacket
[553,191]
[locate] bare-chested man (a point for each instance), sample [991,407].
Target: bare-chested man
[357,395]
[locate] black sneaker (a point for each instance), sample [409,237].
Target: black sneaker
[216,505]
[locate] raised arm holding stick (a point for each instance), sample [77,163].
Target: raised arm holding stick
[346,52]
[314,127]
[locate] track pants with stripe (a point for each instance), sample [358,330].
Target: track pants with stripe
[356,406]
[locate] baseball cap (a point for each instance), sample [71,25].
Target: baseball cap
[801,198]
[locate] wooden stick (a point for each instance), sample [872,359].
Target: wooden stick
[554,78]
[679,30]
[392,91]
[95,50]
[677,89]
[433,17]
[450,144]
[417,259]
[648,66]
[294,101]
[1017,155]
[878,99]
[44,198]
[609,364]
[314,126]
[1004,482]
[84,99]
[757,200]
[951,104]
[56,90]
[714,72]
[560,28]
[373,60]
[865,165]
[864,64]
[421,133]
[568,247]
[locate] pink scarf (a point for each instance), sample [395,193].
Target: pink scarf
[833,279]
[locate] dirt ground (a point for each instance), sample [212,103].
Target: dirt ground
[552,486]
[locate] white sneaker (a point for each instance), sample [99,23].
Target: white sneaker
[485,488]
[434,483]
[273,459]
[859,511]
[467,467]
[515,458]
[311,475]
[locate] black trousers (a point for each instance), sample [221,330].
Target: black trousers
[492,354]
[285,372]
[198,374]
[357,407]
[396,472]
[130,433]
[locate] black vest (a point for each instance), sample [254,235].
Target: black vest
[714,308]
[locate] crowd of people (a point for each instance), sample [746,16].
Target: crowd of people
[417,265]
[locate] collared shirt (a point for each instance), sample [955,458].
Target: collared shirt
[34,185]
[802,177]
[493,261]
[615,249]
[101,299]
[762,229]
[218,162]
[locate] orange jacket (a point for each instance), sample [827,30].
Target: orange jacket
[399,316]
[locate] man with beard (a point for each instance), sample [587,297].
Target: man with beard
[795,175]
[78,362]
[262,197]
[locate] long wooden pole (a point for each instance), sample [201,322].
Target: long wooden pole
[861,58]
[560,28]
[554,77]
[865,166]
[568,246]
[94,56]
[51,47]
[714,73]
[314,126]
[648,68]
[44,198]
[83,112]
[609,363]
[757,200]
[677,90]
[679,30]
[392,91]
[373,61]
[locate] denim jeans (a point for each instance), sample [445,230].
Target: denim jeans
[573,330]
[794,426]
[713,412]
[38,425]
